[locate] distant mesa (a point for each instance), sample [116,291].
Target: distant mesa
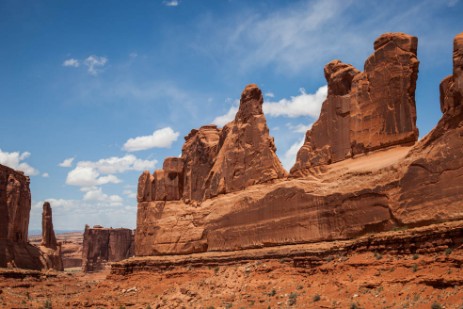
[103,245]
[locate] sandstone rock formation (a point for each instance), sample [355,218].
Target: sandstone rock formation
[15,205]
[216,161]
[48,234]
[365,111]
[49,246]
[102,245]
[400,186]
[247,152]
[199,153]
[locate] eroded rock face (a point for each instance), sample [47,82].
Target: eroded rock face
[217,161]
[102,245]
[247,151]
[15,203]
[328,141]
[401,186]
[365,111]
[199,153]
[15,206]
[49,246]
[48,234]
[383,97]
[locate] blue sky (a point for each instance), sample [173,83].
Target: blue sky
[94,92]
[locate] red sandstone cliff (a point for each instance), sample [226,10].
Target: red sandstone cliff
[365,111]
[49,246]
[102,245]
[351,195]
[15,206]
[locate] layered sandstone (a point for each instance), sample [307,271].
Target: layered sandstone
[103,245]
[218,161]
[365,111]
[199,153]
[15,205]
[247,151]
[400,186]
[49,246]
[48,233]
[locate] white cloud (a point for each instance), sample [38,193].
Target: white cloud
[162,138]
[289,157]
[88,176]
[299,128]
[13,160]
[171,3]
[269,95]
[130,194]
[229,116]
[96,194]
[45,175]
[67,162]
[305,104]
[115,165]
[94,63]
[71,63]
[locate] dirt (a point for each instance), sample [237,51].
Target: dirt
[361,278]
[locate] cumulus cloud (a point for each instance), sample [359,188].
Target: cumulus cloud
[74,63]
[269,95]
[97,173]
[130,194]
[88,177]
[13,160]
[66,163]
[115,165]
[299,128]
[45,175]
[229,116]
[96,194]
[289,157]
[171,3]
[304,104]
[162,138]
[94,64]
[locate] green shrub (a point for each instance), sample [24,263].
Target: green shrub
[47,304]
[316,297]
[436,305]
[292,299]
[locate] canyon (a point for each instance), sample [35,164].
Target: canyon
[368,216]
